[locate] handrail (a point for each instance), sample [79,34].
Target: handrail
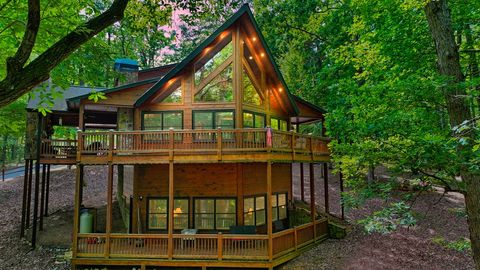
[209,141]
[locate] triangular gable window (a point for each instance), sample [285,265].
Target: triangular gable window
[176,95]
[219,89]
[213,73]
[250,91]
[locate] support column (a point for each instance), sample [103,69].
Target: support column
[24,199]
[108,228]
[269,211]
[76,208]
[170,209]
[37,180]
[47,194]
[340,176]
[312,198]
[302,185]
[29,194]
[42,196]
[325,186]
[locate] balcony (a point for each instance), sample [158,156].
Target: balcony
[202,146]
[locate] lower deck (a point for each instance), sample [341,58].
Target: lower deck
[199,250]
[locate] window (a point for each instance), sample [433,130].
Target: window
[252,64]
[250,91]
[162,120]
[279,206]
[217,63]
[253,120]
[254,210]
[158,213]
[176,95]
[213,120]
[215,213]
[278,124]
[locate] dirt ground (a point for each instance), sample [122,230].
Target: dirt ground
[411,248]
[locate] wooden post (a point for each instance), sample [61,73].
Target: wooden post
[312,198]
[76,208]
[295,235]
[47,194]
[269,211]
[237,77]
[81,117]
[220,246]
[110,144]
[219,144]
[42,196]
[29,194]
[37,181]
[170,210]
[325,186]
[108,229]
[340,176]
[171,143]
[302,185]
[24,199]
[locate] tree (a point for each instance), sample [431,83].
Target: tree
[460,116]
[21,75]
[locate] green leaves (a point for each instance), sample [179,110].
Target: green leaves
[398,214]
[96,96]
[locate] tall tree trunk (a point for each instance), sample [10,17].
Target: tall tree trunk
[439,21]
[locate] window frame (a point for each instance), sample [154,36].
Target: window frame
[256,85]
[253,113]
[167,213]
[162,113]
[279,119]
[194,199]
[254,197]
[278,208]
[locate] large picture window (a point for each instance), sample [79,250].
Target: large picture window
[213,120]
[253,120]
[158,213]
[162,120]
[250,91]
[254,210]
[279,206]
[215,213]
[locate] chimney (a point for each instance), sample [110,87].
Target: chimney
[127,71]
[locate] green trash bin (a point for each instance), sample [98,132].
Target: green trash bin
[86,221]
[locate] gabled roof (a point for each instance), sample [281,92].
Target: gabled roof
[180,66]
[308,112]
[61,103]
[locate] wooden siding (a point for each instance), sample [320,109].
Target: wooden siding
[125,98]
[206,180]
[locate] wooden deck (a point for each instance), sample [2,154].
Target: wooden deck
[187,146]
[205,249]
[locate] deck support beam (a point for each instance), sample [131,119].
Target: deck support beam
[76,208]
[24,199]
[42,195]
[269,211]
[170,209]
[108,229]
[47,194]
[37,180]
[29,194]
[325,186]
[312,198]
[302,185]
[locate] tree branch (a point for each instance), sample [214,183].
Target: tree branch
[21,81]
[15,63]
[5,4]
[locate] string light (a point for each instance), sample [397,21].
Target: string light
[250,57]
[280,89]
[254,39]
[262,54]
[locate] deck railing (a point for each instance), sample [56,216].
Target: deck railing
[53,148]
[220,141]
[200,246]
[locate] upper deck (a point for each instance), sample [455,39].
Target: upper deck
[186,146]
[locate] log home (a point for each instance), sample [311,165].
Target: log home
[203,152]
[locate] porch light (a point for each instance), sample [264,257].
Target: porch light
[250,57]
[254,39]
[262,54]
[280,89]
[224,34]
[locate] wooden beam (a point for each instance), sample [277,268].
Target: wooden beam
[312,198]
[24,199]
[81,117]
[237,77]
[76,208]
[42,195]
[269,211]
[37,181]
[325,186]
[170,210]
[47,194]
[29,194]
[302,185]
[108,229]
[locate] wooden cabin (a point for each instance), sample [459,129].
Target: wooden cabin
[203,152]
